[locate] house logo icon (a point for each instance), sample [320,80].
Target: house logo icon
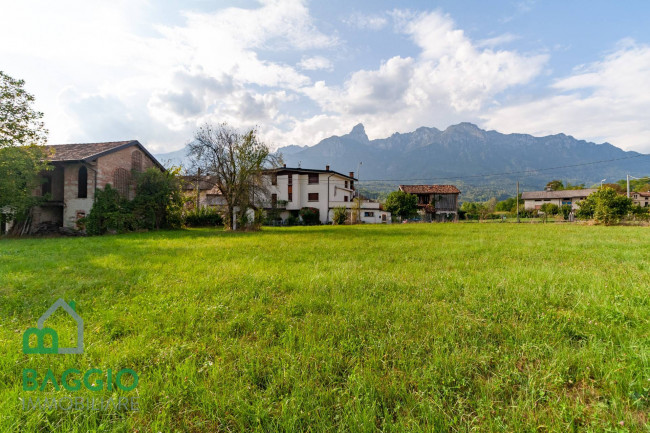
[41,332]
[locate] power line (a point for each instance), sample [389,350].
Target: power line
[524,172]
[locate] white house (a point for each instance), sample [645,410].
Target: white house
[292,189]
[535,199]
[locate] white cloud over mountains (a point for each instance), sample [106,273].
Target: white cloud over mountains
[104,72]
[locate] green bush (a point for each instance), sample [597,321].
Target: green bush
[292,220]
[310,215]
[340,215]
[110,212]
[203,217]
[550,209]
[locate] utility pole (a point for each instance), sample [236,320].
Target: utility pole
[628,184]
[518,202]
[198,188]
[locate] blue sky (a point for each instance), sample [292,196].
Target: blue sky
[302,71]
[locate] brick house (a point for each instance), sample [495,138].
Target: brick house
[78,169]
[435,202]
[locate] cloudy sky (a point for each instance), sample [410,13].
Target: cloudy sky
[154,70]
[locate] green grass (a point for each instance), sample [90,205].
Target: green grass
[421,327]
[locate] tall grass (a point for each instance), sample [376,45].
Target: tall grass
[423,327]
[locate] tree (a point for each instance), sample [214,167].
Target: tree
[605,206]
[235,161]
[340,215]
[555,185]
[509,204]
[22,158]
[401,204]
[20,124]
[158,201]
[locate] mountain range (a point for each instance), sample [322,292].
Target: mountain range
[481,163]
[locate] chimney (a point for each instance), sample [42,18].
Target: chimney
[284,165]
[327,168]
[351,174]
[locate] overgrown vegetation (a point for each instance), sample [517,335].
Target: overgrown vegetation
[605,206]
[506,328]
[203,217]
[158,203]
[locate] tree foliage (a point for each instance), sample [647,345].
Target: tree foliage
[158,201]
[605,206]
[22,159]
[20,124]
[157,204]
[235,161]
[401,204]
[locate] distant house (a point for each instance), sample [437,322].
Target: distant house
[435,202]
[291,189]
[641,198]
[79,169]
[203,187]
[535,199]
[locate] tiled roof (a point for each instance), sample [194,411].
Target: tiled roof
[429,189]
[206,183]
[569,193]
[81,151]
[642,194]
[91,151]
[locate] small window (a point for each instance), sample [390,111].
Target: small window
[351,184]
[290,197]
[274,178]
[290,179]
[313,179]
[82,182]
[274,199]
[136,160]
[46,187]
[345,198]
[346,184]
[368,214]
[312,196]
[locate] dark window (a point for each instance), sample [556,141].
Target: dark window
[346,183]
[351,184]
[136,160]
[368,214]
[345,198]
[121,181]
[274,178]
[82,182]
[312,196]
[274,199]
[313,178]
[46,187]
[290,178]
[290,197]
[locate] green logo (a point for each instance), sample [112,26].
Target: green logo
[41,332]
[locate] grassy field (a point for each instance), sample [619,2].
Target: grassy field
[423,327]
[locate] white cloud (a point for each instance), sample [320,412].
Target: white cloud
[366,22]
[315,63]
[604,101]
[451,80]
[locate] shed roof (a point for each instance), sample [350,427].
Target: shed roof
[430,189]
[568,193]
